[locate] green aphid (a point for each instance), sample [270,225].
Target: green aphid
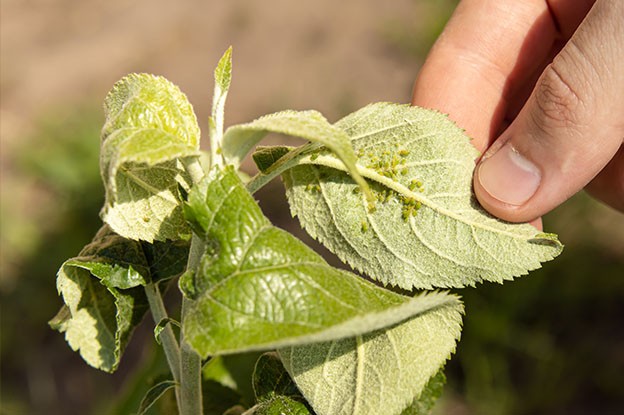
[404,153]
[415,184]
[314,156]
[357,190]
[364,226]
[404,171]
[406,213]
[313,188]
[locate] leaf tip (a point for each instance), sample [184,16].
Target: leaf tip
[548,239]
[223,71]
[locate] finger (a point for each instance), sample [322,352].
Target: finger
[608,186]
[487,50]
[570,128]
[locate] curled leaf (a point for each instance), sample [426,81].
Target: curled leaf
[150,127]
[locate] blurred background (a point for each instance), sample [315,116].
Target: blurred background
[549,343]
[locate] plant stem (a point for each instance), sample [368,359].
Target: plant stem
[190,402]
[167,336]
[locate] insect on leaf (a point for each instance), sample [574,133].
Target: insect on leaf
[427,229]
[257,287]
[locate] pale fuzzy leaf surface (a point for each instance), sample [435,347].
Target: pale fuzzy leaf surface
[429,396]
[381,372]
[257,287]
[310,125]
[427,230]
[97,320]
[150,126]
[102,294]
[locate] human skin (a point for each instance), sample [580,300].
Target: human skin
[539,86]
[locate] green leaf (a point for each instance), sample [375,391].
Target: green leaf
[223,72]
[218,398]
[123,263]
[223,78]
[97,320]
[234,371]
[429,396]
[267,156]
[150,127]
[280,405]
[154,394]
[101,290]
[161,326]
[270,379]
[428,229]
[310,125]
[381,372]
[257,287]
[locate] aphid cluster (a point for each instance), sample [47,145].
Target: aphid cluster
[388,164]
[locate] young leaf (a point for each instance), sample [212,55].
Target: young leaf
[97,319]
[161,326]
[257,287]
[223,78]
[153,394]
[310,125]
[100,290]
[223,73]
[427,230]
[150,126]
[376,373]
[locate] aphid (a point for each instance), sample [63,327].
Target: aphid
[364,226]
[314,156]
[404,153]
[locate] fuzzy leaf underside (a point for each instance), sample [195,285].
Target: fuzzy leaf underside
[310,125]
[427,229]
[150,127]
[429,396]
[379,372]
[258,287]
[102,294]
[97,320]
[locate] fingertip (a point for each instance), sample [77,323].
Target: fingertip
[505,181]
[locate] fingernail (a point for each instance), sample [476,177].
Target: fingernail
[508,176]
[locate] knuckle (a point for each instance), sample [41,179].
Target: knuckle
[558,104]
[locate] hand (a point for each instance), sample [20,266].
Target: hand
[549,76]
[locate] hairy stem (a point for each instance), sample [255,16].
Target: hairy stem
[190,402]
[167,336]
[190,391]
